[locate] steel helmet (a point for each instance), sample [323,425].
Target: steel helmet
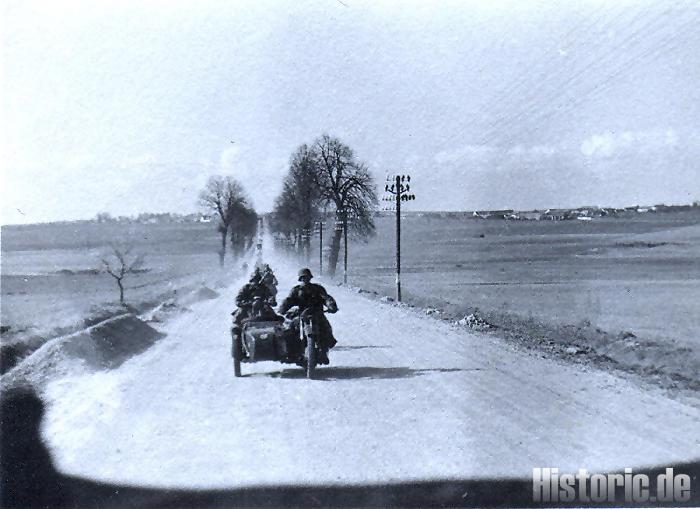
[305,273]
[256,276]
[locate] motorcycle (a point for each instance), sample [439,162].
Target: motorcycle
[293,341]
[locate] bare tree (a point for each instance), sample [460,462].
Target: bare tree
[298,206]
[243,228]
[120,262]
[226,198]
[103,217]
[347,185]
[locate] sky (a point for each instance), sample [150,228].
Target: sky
[128,107]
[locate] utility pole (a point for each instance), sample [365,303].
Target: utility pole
[398,192]
[339,225]
[398,239]
[345,246]
[306,243]
[319,225]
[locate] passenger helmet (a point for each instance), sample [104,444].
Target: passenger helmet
[305,273]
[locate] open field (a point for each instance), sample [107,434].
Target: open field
[396,376]
[50,281]
[638,274]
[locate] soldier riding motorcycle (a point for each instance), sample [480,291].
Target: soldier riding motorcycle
[311,300]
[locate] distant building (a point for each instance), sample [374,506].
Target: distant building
[493,214]
[534,215]
[584,212]
[500,214]
[555,214]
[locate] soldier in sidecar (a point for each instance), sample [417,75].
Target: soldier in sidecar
[269,281]
[267,336]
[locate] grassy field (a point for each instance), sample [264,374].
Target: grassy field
[639,274]
[50,281]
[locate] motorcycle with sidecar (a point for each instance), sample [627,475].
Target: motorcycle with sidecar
[292,341]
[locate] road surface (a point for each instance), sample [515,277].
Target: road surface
[406,397]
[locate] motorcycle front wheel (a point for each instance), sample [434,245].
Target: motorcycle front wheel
[310,355]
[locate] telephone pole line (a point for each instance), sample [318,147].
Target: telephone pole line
[398,191]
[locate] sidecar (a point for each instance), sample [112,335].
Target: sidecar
[284,342]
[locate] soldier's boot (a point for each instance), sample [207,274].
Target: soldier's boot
[323,356]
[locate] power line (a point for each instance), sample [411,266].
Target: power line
[531,102]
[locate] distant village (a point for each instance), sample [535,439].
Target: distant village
[153,218]
[580,214]
[564,214]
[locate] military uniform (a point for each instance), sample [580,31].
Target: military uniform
[246,295]
[310,298]
[253,302]
[269,281]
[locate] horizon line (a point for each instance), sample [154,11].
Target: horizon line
[693,204]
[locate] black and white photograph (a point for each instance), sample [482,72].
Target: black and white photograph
[349,253]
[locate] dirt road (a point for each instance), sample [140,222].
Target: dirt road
[406,397]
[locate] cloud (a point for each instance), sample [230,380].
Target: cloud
[535,151]
[492,154]
[261,176]
[468,152]
[230,156]
[599,146]
[611,144]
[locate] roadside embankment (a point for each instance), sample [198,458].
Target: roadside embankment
[113,335]
[17,345]
[102,346]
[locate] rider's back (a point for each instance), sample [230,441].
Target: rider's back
[306,296]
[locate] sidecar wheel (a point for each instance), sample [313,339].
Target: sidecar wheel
[237,352]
